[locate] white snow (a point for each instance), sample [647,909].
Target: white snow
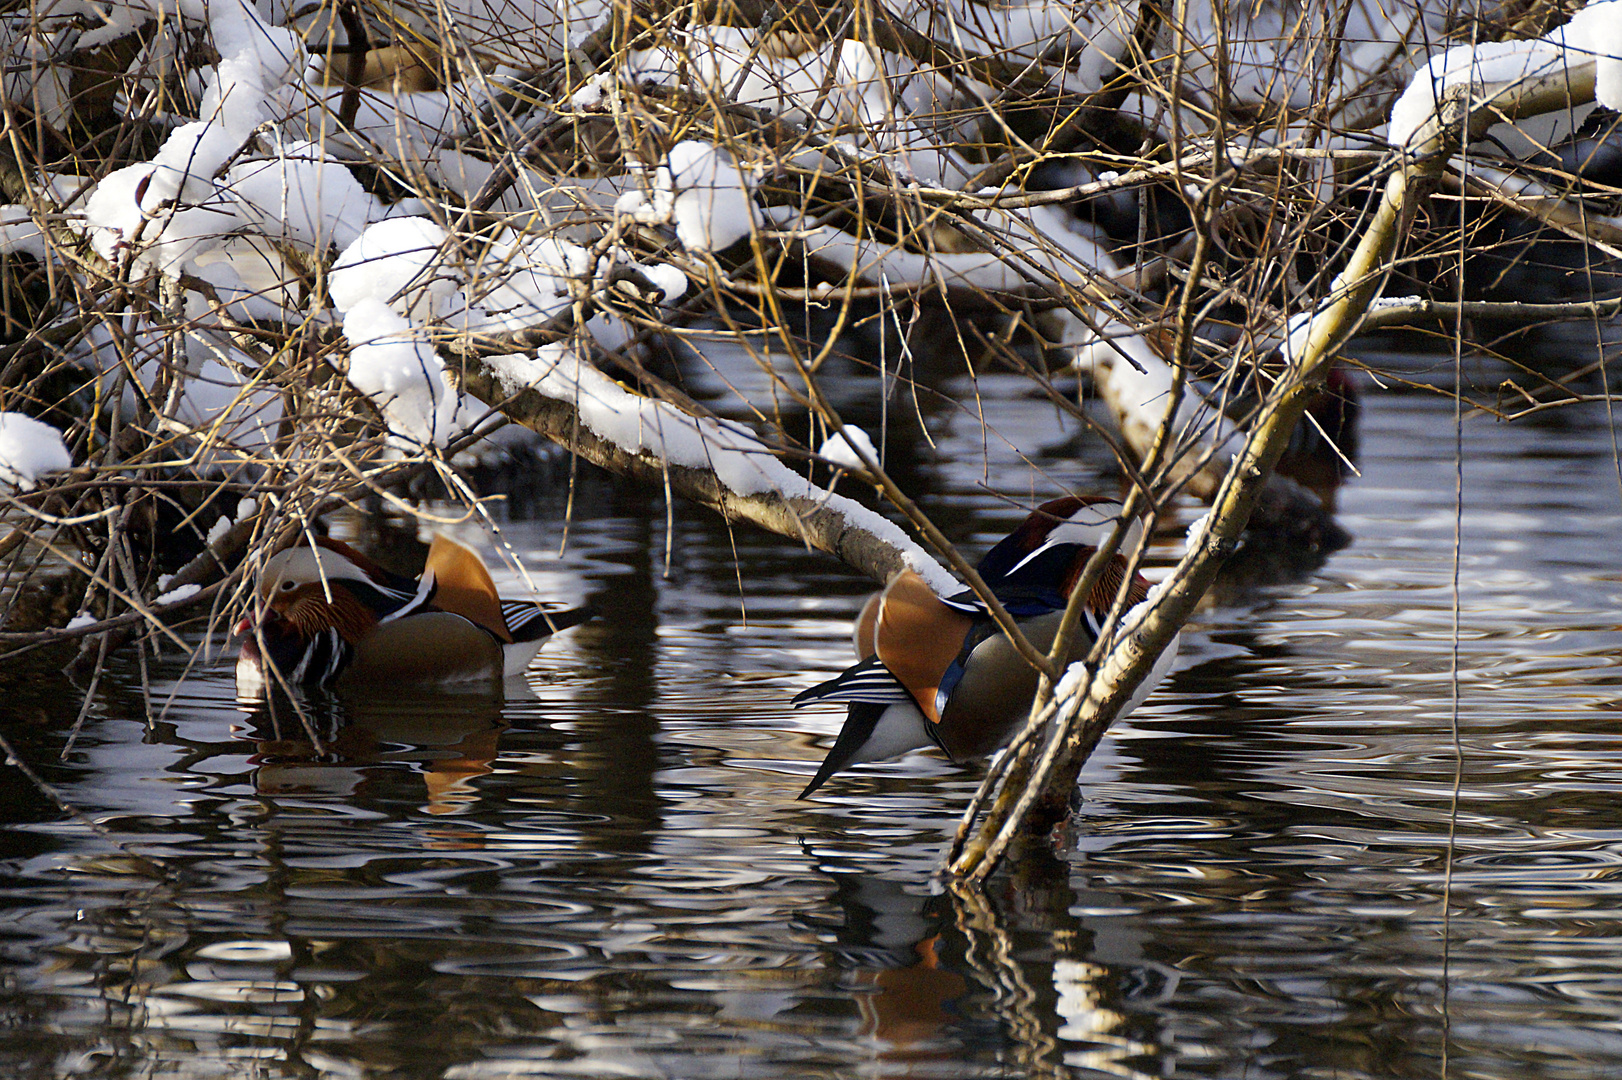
[670,280]
[29,449]
[222,525]
[713,197]
[702,191]
[1394,301]
[176,595]
[392,362]
[1196,530]
[1596,31]
[837,81]
[301,196]
[84,618]
[841,447]
[590,96]
[399,263]
[19,233]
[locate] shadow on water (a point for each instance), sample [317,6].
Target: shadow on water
[605,872]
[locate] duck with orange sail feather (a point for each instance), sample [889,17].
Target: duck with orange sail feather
[326,615]
[938,672]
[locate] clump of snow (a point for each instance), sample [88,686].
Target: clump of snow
[20,233]
[397,262]
[174,596]
[160,210]
[517,281]
[29,449]
[1596,32]
[837,81]
[670,280]
[714,198]
[701,189]
[590,96]
[1196,530]
[1488,62]
[221,526]
[84,618]
[301,196]
[1297,333]
[841,447]
[246,508]
[171,205]
[392,362]
[254,58]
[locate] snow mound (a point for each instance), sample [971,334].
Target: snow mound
[29,449]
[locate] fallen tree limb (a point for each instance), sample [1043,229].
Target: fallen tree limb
[761,490]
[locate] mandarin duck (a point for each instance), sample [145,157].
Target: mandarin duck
[326,614]
[938,672]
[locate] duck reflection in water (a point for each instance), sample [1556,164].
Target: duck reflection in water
[358,745]
[893,941]
[1011,975]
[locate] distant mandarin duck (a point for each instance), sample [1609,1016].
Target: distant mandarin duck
[937,672]
[325,614]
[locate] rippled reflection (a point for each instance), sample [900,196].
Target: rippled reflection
[603,872]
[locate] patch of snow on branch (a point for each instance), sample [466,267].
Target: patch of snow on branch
[731,451]
[175,596]
[841,447]
[838,81]
[1596,31]
[19,233]
[701,189]
[301,196]
[216,533]
[392,362]
[590,96]
[29,449]
[397,262]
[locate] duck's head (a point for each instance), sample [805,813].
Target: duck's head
[1075,521]
[311,588]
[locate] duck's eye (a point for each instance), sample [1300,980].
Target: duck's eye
[289,586]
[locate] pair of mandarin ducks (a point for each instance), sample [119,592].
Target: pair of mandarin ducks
[931,671]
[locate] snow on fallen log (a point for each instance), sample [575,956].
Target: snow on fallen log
[1137,384]
[716,463]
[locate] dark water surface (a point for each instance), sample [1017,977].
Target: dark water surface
[610,876]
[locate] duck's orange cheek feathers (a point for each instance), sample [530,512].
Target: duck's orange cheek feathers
[308,612]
